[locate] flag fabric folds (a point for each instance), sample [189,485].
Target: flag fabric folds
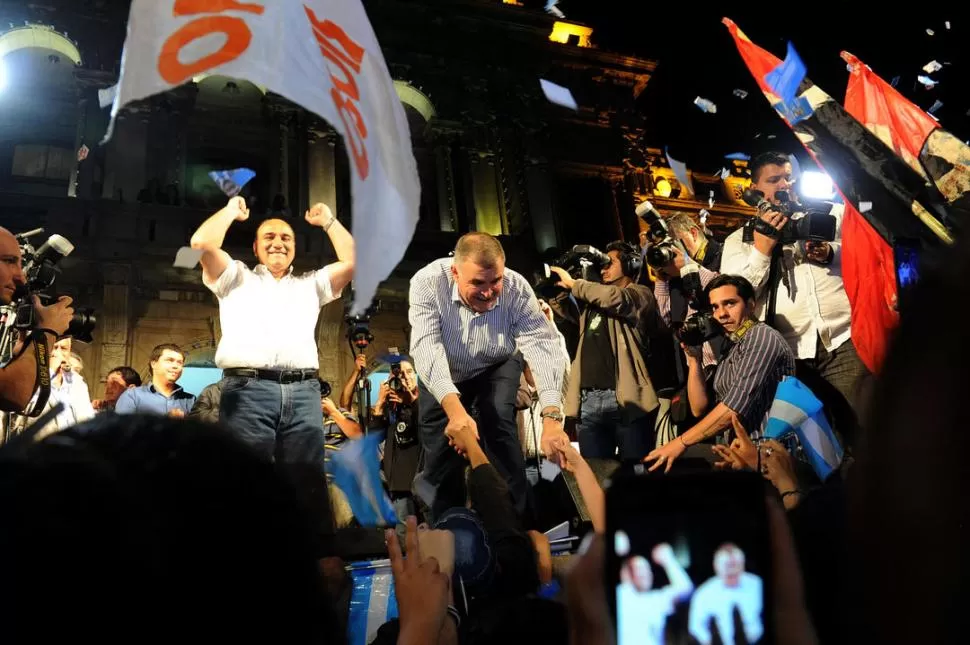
[356,471]
[796,410]
[912,133]
[319,54]
[864,170]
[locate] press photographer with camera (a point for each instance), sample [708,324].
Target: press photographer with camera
[21,376]
[811,308]
[610,391]
[706,251]
[746,378]
[396,412]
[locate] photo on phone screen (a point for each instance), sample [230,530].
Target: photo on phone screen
[688,559]
[906,256]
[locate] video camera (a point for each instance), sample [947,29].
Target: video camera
[40,272]
[358,326]
[810,224]
[582,262]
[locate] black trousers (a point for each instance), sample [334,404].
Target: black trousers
[490,400]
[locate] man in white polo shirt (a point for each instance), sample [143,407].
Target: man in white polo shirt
[268,351]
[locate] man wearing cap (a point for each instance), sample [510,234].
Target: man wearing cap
[268,351]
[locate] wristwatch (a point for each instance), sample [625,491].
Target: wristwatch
[555,416]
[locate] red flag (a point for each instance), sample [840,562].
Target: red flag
[912,133]
[868,268]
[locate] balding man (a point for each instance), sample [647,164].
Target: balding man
[268,350]
[469,315]
[19,377]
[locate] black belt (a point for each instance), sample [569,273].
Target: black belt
[277,376]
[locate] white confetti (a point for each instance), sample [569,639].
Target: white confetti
[947,23]
[558,94]
[741,94]
[725,173]
[554,10]
[106,97]
[705,105]
[710,200]
[927,82]
[932,66]
[187,258]
[865,207]
[930,32]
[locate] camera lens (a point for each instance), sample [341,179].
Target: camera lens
[82,325]
[660,255]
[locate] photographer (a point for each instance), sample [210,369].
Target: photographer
[705,251]
[610,391]
[19,378]
[746,377]
[812,309]
[396,411]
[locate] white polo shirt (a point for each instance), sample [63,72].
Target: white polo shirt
[269,323]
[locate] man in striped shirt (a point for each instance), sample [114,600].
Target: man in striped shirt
[746,378]
[469,315]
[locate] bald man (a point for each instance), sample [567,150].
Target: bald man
[732,589]
[268,351]
[18,378]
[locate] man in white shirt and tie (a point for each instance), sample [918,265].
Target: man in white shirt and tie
[268,351]
[812,308]
[469,314]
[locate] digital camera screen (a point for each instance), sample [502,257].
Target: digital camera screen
[907,265]
[692,575]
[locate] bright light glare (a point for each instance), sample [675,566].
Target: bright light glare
[816,185]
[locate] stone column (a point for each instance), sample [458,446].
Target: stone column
[322,168]
[539,189]
[113,322]
[332,349]
[447,206]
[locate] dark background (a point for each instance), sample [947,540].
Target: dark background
[697,57]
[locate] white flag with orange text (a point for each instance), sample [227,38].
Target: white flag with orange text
[320,54]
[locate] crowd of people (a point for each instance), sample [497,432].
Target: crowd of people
[213,515]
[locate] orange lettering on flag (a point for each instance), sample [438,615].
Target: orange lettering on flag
[193,7]
[238,37]
[356,146]
[346,55]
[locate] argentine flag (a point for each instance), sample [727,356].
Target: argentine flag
[372,602]
[356,472]
[796,410]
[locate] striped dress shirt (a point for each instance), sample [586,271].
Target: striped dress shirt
[661,292]
[748,376]
[451,344]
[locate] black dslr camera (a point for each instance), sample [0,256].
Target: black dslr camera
[40,272]
[812,224]
[698,329]
[582,262]
[358,326]
[660,253]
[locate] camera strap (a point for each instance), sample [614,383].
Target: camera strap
[742,329]
[42,355]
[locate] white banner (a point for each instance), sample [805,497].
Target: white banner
[321,54]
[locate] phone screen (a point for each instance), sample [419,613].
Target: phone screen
[689,555]
[906,256]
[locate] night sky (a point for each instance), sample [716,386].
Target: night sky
[697,57]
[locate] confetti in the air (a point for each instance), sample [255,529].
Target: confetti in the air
[930,32]
[231,182]
[865,207]
[937,104]
[187,258]
[932,66]
[554,10]
[558,94]
[927,82]
[705,105]
[741,94]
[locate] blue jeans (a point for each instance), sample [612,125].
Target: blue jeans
[602,429]
[490,399]
[283,423]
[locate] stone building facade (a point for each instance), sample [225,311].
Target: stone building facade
[492,153]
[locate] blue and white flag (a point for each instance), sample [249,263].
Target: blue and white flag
[372,600]
[231,182]
[356,472]
[797,410]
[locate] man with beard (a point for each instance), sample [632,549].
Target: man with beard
[609,389]
[469,315]
[163,395]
